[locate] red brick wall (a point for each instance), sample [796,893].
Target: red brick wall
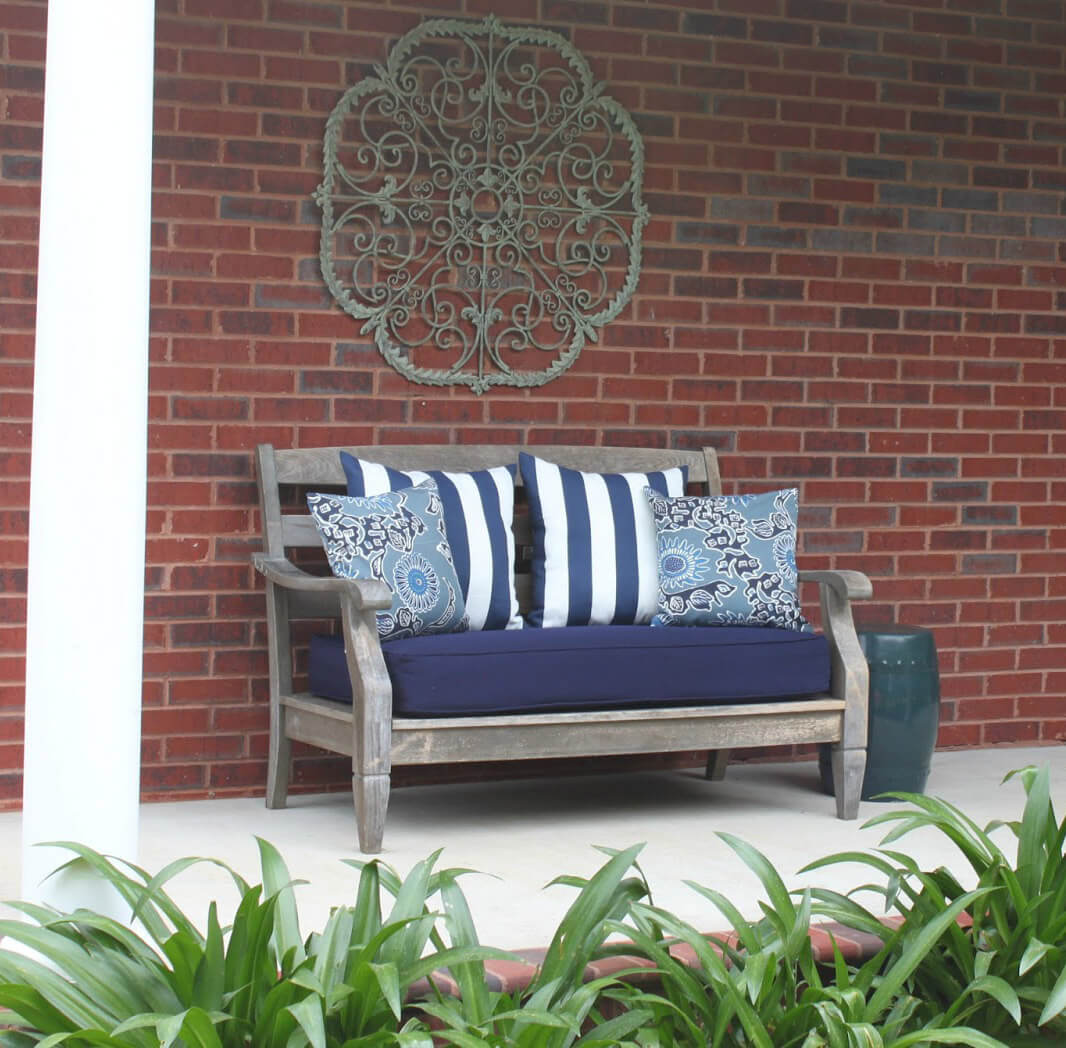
[854,280]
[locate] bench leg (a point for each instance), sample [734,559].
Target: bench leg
[279,760]
[371,795]
[849,767]
[717,762]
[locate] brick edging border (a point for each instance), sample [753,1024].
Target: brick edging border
[512,976]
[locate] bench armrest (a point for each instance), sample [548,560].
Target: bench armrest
[360,600]
[852,585]
[365,594]
[850,675]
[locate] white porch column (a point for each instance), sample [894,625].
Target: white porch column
[88,471]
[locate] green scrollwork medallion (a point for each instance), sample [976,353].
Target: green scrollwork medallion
[481,204]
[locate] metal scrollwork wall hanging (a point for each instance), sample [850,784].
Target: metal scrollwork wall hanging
[481,204]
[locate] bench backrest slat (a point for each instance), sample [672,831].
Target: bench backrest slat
[309,468]
[323,465]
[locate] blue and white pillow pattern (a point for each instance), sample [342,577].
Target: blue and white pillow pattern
[728,560]
[399,539]
[594,546]
[478,515]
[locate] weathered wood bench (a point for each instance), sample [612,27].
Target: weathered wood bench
[375,740]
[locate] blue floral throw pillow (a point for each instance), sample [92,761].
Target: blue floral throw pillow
[399,539]
[727,560]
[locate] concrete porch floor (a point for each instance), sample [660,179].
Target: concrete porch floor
[520,834]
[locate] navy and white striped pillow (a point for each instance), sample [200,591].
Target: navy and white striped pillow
[595,553]
[478,514]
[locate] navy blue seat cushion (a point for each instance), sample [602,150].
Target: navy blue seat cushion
[584,667]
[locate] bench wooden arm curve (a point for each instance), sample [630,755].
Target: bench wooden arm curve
[365,594]
[850,675]
[852,585]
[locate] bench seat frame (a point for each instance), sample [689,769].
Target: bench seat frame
[367,732]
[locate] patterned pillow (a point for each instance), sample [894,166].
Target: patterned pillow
[594,554]
[478,514]
[728,560]
[398,538]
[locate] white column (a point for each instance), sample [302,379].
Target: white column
[88,471]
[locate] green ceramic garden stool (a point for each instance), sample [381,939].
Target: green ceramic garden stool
[904,711]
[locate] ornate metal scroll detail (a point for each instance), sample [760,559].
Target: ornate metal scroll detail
[481,204]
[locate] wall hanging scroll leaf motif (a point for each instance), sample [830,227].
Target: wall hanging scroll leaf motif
[481,204]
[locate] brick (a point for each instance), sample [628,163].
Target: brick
[936,221]
[772,289]
[1005,28]
[821,214]
[1048,227]
[797,467]
[676,204]
[940,172]
[867,466]
[840,240]
[980,101]
[879,66]
[817,10]
[1049,180]
[960,491]
[929,467]
[714,25]
[782,32]
[707,233]
[998,225]
[775,236]
[907,194]
[870,318]
[879,218]
[905,243]
[876,168]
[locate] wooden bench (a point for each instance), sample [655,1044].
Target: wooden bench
[375,740]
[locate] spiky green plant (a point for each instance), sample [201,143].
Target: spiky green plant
[94,981]
[1003,968]
[559,1009]
[984,967]
[763,989]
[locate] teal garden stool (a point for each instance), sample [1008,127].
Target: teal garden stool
[904,711]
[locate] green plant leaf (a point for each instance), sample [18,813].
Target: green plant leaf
[1032,834]
[767,874]
[194,1027]
[308,1014]
[153,894]
[414,1039]
[949,1035]
[28,1004]
[210,980]
[914,953]
[278,883]
[1056,1001]
[330,949]
[744,929]
[470,975]
[389,982]
[978,848]
[846,911]
[1033,955]
[1000,990]
[606,895]
[14,1039]
[130,890]
[88,1000]
[719,975]
[610,1033]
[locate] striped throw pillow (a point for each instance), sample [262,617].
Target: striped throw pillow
[595,555]
[478,514]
